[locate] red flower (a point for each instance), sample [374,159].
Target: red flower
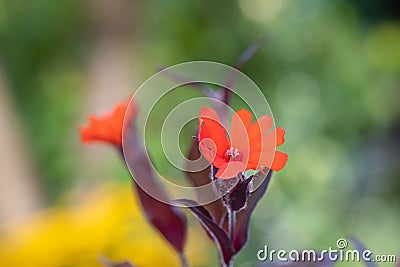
[248,146]
[107,128]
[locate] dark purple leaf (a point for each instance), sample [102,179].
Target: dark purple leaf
[250,51]
[243,216]
[207,91]
[360,248]
[243,59]
[167,219]
[200,178]
[218,234]
[237,197]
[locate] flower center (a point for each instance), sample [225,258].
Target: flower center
[232,153]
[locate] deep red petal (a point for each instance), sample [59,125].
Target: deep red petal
[262,152]
[280,136]
[211,128]
[239,137]
[259,128]
[262,158]
[107,128]
[230,170]
[279,162]
[276,136]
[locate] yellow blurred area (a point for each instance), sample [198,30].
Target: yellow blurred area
[106,222]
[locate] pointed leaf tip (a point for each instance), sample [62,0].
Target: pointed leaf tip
[218,234]
[243,217]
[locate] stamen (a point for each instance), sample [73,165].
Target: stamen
[232,153]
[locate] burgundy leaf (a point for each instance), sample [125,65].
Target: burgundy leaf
[243,59]
[250,51]
[361,248]
[206,90]
[218,234]
[243,216]
[200,178]
[237,197]
[167,219]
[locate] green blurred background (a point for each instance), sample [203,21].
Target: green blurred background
[331,73]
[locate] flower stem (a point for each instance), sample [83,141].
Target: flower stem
[212,178]
[184,262]
[231,223]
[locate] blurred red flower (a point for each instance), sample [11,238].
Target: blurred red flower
[108,127]
[246,146]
